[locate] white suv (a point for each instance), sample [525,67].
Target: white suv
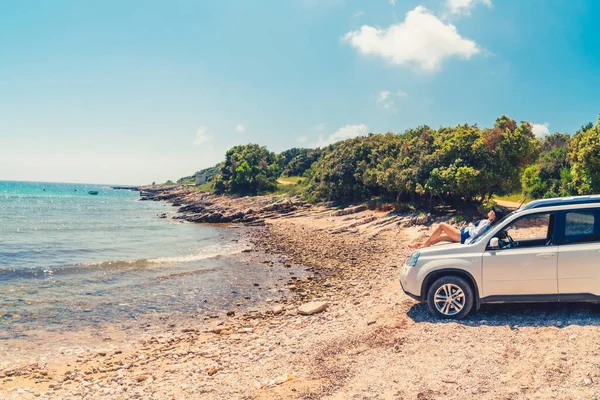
[548,250]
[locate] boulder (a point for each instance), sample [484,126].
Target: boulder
[312,307]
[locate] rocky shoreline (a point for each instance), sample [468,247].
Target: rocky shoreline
[346,332]
[330,268]
[201,207]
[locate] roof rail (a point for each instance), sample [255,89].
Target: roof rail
[562,201]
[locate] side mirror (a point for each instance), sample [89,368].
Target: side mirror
[494,243]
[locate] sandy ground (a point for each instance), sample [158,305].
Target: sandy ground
[372,342]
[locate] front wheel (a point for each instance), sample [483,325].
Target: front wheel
[450,297]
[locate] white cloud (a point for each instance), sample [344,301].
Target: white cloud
[383,95]
[465,6]
[384,98]
[240,128]
[540,130]
[422,40]
[393,2]
[358,14]
[202,137]
[302,139]
[346,132]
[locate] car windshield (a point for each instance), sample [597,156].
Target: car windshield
[478,238]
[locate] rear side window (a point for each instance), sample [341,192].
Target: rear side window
[581,227]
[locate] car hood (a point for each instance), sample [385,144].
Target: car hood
[444,249]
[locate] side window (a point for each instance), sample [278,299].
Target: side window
[531,230]
[580,227]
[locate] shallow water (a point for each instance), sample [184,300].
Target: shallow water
[69,260]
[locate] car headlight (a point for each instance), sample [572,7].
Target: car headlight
[412,260]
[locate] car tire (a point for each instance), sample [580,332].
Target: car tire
[458,305]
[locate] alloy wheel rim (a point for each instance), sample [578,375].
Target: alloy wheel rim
[449,299]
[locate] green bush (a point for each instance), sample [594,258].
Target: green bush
[295,162]
[533,186]
[565,166]
[248,170]
[584,155]
[453,165]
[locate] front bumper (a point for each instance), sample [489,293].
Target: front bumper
[407,283]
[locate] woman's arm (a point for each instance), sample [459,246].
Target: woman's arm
[480,228]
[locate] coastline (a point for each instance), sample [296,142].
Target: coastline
[372,341]
[270,245]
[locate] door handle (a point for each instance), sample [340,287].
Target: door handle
[545,255]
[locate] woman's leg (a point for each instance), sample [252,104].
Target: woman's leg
[443,238]
[450,231]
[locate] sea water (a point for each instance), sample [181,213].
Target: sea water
[69,259]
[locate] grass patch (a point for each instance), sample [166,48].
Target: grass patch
[290,185]
[208,187]
[292,190]
[515,198]
[289,180]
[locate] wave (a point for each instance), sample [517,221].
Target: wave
[7,274]
[206,253]
[197,257]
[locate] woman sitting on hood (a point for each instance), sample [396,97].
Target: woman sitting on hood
[447,233]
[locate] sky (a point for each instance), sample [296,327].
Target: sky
[131,92]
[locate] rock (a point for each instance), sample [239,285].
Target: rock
[209,353]
[237,216]
[256,223]
[587,381]
[278,309]
[423,219]
[141,378]
[211,371]
[230,313]
[350,210]
[313,307]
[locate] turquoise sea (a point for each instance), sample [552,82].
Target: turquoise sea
[69,259]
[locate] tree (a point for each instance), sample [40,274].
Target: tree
[295,162]
[452,164]
[551,175]
[585,127]
[584,155]
[248,170]
[503,152]
[338,175]
[464,163]
[533,186]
